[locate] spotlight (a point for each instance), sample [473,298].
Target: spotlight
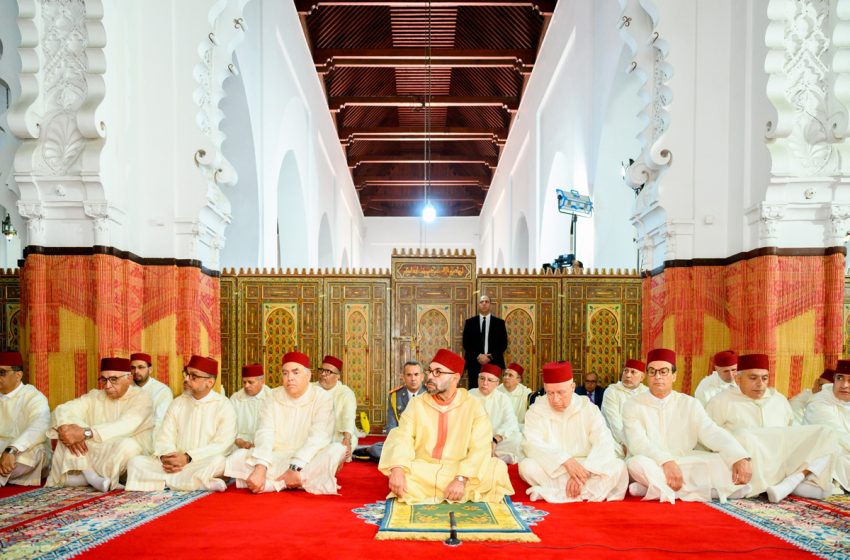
[429,213]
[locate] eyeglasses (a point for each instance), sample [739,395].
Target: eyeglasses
[195,377]
[663,372]
[327,371]
[110,380]
[437,372]
[5,372]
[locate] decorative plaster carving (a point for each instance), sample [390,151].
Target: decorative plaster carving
[839,224]
[99,212]
[771,215]
[34,213]
[801,140]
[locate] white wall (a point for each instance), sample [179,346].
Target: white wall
[10,66]
[383,234]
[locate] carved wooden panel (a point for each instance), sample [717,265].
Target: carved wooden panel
[230,370]
[356,328]
[530,306]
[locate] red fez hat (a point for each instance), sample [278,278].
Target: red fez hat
[726,358]
[829,375]
[661,355]
[141,356]
[843,366]
[11,359]
[450,360]
[517,368]
[753,361]
[298,358]
[334,361]
[557,372]
[492,369]
[115,364]
[253,370]
[206,365]
[636,364]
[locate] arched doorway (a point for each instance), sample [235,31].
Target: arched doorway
[292,232]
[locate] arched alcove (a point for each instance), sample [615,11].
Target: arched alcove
[500,260]
[326,248]
[291,216]
[344,260]
[520,243]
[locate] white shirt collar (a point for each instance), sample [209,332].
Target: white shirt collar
[662,401]
[14,392]
[480,316]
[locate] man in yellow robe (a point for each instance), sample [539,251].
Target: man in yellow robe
[101,431]
[441,450]
[24,420]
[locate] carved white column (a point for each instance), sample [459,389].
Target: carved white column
[771,215]
[839,224]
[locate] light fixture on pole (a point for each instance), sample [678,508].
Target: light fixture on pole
[429,213]
[7,228]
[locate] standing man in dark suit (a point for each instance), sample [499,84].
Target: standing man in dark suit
[590,390]
[485,340]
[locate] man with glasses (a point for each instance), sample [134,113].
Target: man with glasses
[591,389]
[24,419]
[294,447]
[247,403]
[663,428]
[485,340]
[160,393]
[722,378]
[516,392]
[101,431]
[569,450]
[345,403]
[197,432]
[441,449]
[787,458]
[507,439]
[831,408]
[616,395]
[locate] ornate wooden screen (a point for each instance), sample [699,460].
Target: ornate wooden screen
[10,310]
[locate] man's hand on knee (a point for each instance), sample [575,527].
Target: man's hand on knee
[256,481]
[398,482]
[673,474]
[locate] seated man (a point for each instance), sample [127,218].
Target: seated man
[294,443]
[196,433]
[247,403]
[160,393]
[507,439]
[802,399]
[24,419]
[616,395]
[101,431]
[591,389]
[441,449]
[518,393]
[663,428]
[397,402]
[569,450]
[786,458]
[725,365]
[832,409]
[345,403]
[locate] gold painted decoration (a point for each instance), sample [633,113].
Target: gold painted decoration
[356,350]
[604,343]
[410,271]
[519,322]
[433,330]
[280,335]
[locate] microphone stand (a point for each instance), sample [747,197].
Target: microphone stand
[452,540]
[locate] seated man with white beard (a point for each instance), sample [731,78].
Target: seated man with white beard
[294,444]
[569,450]
[832,409]
[198,429]
[518,393]
[787,459]
[507,438]
[616,395]
[100,432]
[725,365]
[663,428]
[802,399]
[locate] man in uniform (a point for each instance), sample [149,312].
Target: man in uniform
[247,402]
[294,447]
[787,459]
[160,393]
[345,403]
[832,409]
[616,395]
[725,365]
[663,428]
[24,420]
[507,439]
[518,393]
[198,430]
[101,431]
[569,450]
[485,339]
[441,449]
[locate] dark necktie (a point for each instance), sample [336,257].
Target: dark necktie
[483,332]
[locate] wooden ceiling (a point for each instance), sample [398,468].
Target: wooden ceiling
[371,56]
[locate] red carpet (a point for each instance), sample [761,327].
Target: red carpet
[295,525]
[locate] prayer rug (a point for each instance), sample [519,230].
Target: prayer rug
[820,526]
[67,521]
[476,521]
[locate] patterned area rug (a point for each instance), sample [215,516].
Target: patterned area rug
[821,527]
[63,522]
[476,521]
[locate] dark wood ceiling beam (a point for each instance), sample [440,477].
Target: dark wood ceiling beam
[543,7]
[438,159]
[507,103]
[409,194]
[418,134]
[522,60]
[409,171]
